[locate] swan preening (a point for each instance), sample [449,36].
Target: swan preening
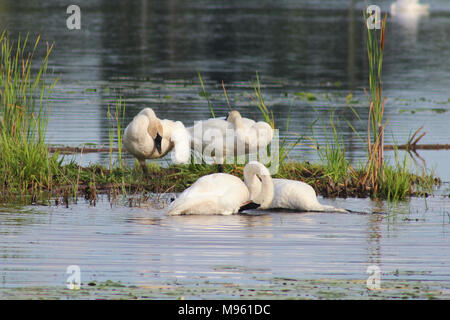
[294,195]
[148,137]
[228,137]
[222,193]
[409,9]
[226,194]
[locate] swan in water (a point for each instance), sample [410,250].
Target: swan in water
[409,8]
[231,136]
[294,195]
[222,193]
[147,137]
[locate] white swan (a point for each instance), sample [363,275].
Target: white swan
[251,133]
[409,8]
[176,137]
[294,195]
[233,136]
[147,137]
[221,193]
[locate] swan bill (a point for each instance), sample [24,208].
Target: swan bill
[249,206]
[158,140]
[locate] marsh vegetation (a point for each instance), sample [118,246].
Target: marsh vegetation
[30,173]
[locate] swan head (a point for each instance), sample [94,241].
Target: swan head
[155,128]
[259,182]
[233,116]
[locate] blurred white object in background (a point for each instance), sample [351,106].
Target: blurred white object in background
[407,13]
[409,9]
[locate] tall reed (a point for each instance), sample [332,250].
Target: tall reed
[25,163]
[285,147]
[259,101]
[375,43]
[116,129]
[205,94]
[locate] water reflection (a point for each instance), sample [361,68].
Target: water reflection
[407,23]
[144,246]
[374,234]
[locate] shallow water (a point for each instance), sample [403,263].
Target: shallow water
[144,246]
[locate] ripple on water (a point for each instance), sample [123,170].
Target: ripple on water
[143,245]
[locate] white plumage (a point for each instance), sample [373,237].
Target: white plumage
[225,194]
[234,136]
[147,137]
[176,137]
[294,195]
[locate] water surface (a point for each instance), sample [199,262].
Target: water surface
[144,246]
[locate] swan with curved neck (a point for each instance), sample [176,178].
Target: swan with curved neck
[254,135]
[148,137]
[294,195]
[222,193]
[231,136]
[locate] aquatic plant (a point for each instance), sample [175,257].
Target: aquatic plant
[332,153]
[26,166]
[259,102]
[115,130]
[375,43]
[205,94]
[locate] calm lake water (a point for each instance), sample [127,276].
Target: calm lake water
[149,52]
[144,246]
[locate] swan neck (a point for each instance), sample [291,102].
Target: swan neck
[261,192]
[237,122]
[266,194]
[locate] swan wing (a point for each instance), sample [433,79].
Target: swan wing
[136,139]
[197,205]
[217,193]
[292,194]
[298,195]
[181,140]
[255,135]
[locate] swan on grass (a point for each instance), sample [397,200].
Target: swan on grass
[294,195]
[222,193]
[147,137]
[409,8]
[231,136]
